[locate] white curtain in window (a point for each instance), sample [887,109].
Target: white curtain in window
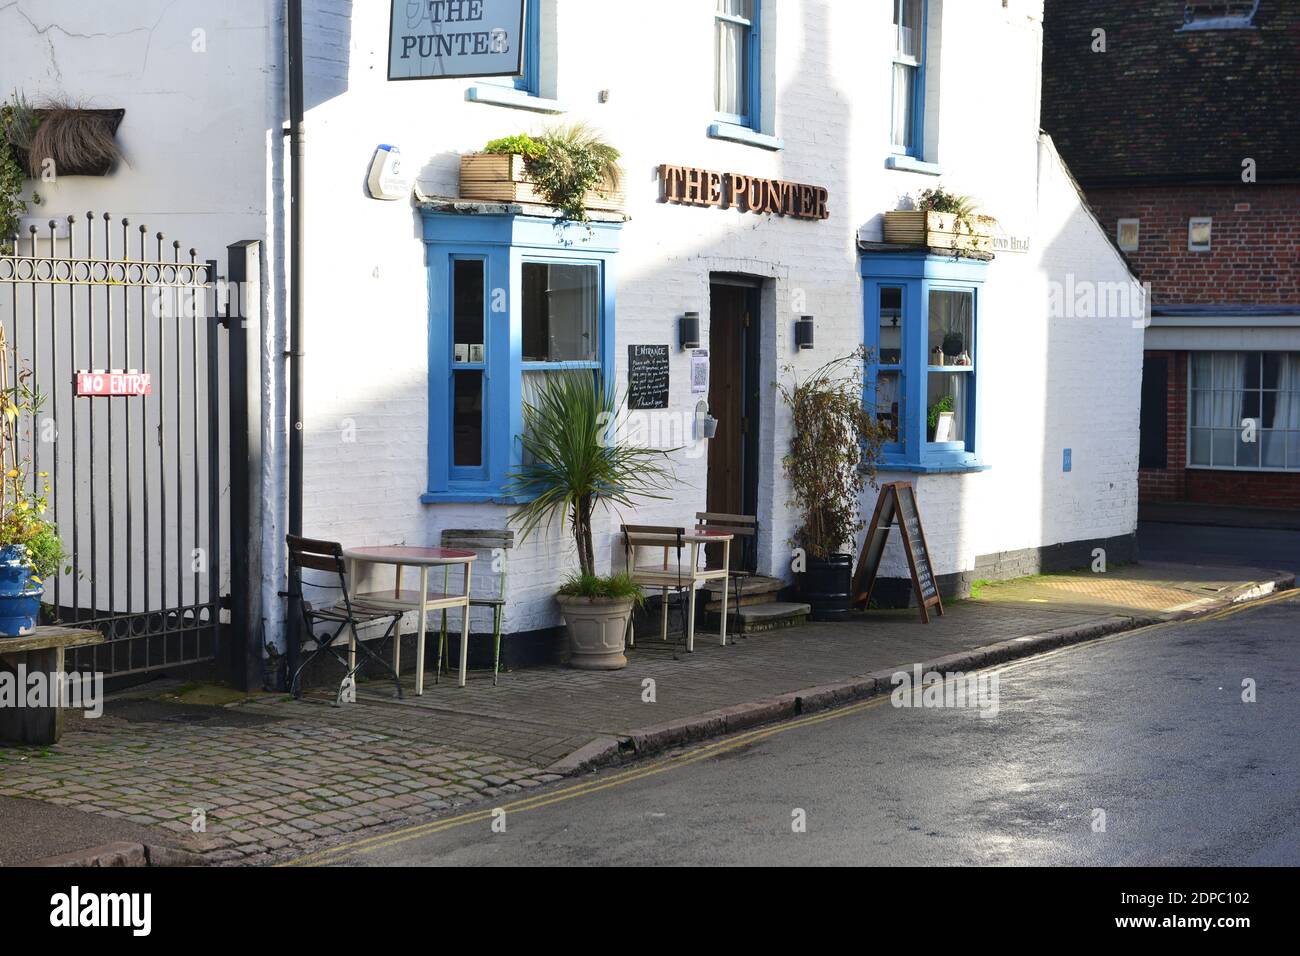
[1288,393]
[729,89]
[904,102]
[1217,380]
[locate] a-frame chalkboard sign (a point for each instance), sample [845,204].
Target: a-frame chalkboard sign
[897,505]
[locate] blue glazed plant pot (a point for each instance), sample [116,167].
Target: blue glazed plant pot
[20,597]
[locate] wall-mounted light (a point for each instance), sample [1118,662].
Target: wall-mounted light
[690,329]
[803,332]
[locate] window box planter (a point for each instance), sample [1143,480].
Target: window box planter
[939,230]
[502,177]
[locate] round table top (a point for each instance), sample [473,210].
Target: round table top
[396,554]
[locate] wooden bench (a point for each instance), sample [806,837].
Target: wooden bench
[38,652]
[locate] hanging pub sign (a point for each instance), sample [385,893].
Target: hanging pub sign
[114,384]
[689,186]
[897,505]
[445,39]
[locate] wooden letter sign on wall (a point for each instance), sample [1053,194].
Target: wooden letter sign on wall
[897,501]
[689,186]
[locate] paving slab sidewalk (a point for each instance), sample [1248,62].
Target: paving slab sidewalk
[268,773]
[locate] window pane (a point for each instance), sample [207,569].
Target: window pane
[559,313]
[1273,449]
[1293,450]
[737,8]
[1247,451]
[732,80]
[1200,446]
[947,394]
[1223,451]
[891,331]
[1250,362]
[908,19]
[1201,367]
[904,102]
[467,310]
[950,328]
[467,419]
[889,401]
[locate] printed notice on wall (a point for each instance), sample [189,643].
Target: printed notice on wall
[699,372]
[441,39]
[647,376]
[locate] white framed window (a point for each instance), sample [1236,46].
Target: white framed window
[1243,410]
[1126,234]
[907,120]
[1198,234]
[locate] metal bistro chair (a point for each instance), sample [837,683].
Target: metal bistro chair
[492,543]
[745,529]
[344,615]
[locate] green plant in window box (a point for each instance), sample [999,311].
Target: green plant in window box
[574,463]
[18,124]
[566,163]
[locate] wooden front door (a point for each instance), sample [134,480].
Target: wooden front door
[733,376]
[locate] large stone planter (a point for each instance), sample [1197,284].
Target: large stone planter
[597,628]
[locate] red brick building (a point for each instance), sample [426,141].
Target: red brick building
[1180,122]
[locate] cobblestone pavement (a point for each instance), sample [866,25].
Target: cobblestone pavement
[268,772]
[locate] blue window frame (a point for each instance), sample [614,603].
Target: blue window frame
[529,81]
[907,125]
[511,298]
[922,327]
[737,58]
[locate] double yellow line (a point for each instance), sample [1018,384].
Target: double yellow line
[704,752]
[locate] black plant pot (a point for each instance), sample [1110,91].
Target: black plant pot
[825,586]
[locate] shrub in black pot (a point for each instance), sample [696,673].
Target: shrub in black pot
[832,458]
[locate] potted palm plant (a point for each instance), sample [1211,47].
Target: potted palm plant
[832,458]
[30,549]
[574,464]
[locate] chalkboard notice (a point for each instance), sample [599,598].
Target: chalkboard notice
[647,376]
[897,503]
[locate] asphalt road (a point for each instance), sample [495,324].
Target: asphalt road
[1273,548]
[1149,727]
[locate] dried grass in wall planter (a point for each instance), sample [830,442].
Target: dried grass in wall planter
[81,142]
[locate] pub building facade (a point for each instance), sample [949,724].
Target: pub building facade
[762,143]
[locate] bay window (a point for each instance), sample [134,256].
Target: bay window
[1243,410]
[922,329]
[511,300]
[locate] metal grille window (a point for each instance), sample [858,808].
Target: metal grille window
[735,88]
[909,76]
[1219,14]
[1244,410]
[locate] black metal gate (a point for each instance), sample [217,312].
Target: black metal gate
[135,479]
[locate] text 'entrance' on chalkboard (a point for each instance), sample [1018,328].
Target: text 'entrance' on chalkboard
[647,376]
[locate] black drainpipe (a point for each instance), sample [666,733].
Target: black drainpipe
[296,336]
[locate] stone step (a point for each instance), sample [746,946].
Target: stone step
[756,618]
[747,590]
